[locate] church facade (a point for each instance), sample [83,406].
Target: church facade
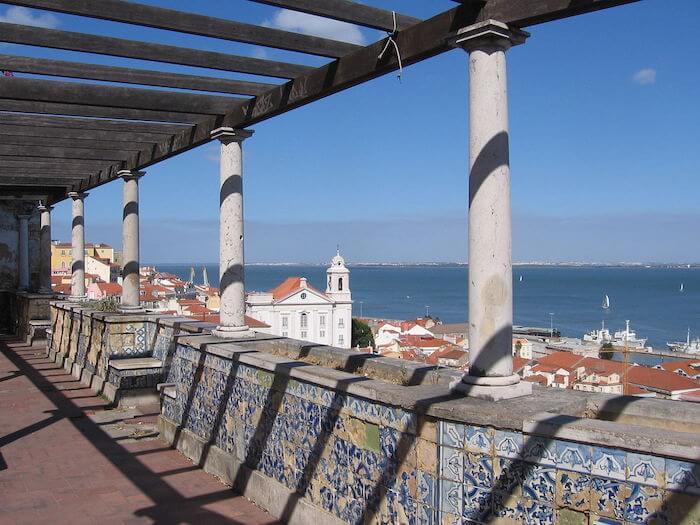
[297,310]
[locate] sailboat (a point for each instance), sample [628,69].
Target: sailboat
[205,276]
[606,302]
[521,279]
[192,274]
[681,289]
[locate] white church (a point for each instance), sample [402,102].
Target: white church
[298,310]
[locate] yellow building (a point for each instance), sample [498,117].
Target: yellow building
[61,254]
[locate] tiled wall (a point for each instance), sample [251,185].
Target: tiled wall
[346,455]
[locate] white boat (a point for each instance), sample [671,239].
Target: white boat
[521,279]
[600,337]
[606,302]
[628,338]
[681,289]
[687,346]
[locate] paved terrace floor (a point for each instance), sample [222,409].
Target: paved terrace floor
[66,458]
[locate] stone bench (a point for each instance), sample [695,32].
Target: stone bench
[133,381]
[38,330]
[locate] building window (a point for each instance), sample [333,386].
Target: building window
[303,295]
[304,321]
[303,334]
[63,264]
[322,321]
[285,334]
[285,321]
[341,340]
[341,323]
[340,284]
[322,333]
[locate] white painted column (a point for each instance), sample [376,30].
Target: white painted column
[231,258]
[45,249]
[490,268]
[130,300]
[23,248]
[77,282]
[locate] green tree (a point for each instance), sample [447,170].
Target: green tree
[606,351]
[361,334]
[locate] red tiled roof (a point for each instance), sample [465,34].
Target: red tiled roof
[254,323]
[519,363]
[689,367]
[560,360]
[289,286]
[537,378]
[110,289]
[660,379]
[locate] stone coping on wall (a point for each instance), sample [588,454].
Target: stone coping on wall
[661,427]
[640,424]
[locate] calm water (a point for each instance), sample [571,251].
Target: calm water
[649,297]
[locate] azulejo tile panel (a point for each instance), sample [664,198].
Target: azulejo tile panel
[646,469]
[573,456]
[609,463]
[683,476]
[645,504]
[508,444]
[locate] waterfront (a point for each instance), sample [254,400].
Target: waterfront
[649,297]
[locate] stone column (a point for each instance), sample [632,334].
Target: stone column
[130,301]
[23,248]
[490,272]
[77,283]
[45,249]
[231,259]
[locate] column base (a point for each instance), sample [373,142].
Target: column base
[130,309]
[77,298]
[233,332]
[492,388]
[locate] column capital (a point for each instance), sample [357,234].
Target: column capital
[77,195]
[44,207]
[228,135]
[489,33]
[130,174]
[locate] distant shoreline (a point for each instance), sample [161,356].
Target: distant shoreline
[457,264]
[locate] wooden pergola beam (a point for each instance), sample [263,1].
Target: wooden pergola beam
[346,11]
[60,152]
[195,24]
[102,45]
[126,75]
[39,90]
[39,163]
[52,108]
[30,140]
[116,137]
[416,43]
[44,122]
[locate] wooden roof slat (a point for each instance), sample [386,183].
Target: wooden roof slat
[126,75]
[102,45]
[121,146]
[77,110]
[60,152]
[79,165]
[192,23]
[43,122]
[80,134]
[63,92]
[56,174]
[346,11]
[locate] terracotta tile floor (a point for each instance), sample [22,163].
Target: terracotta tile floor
[65,459]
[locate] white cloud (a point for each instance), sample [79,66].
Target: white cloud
[645,76]
[315,25]
[259,52]
[27,17]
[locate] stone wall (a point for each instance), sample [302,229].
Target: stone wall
[317,444]
[9,246]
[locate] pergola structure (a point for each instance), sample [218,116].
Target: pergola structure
[60,139]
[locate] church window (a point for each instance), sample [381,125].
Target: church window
[322,321]
[340,284]
[303,295]
[322,333]
[341,323]
[341,340]
[304,320]
[285,321]
[303,334]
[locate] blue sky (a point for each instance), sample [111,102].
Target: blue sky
[604,148]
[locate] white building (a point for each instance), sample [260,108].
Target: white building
[298,310]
